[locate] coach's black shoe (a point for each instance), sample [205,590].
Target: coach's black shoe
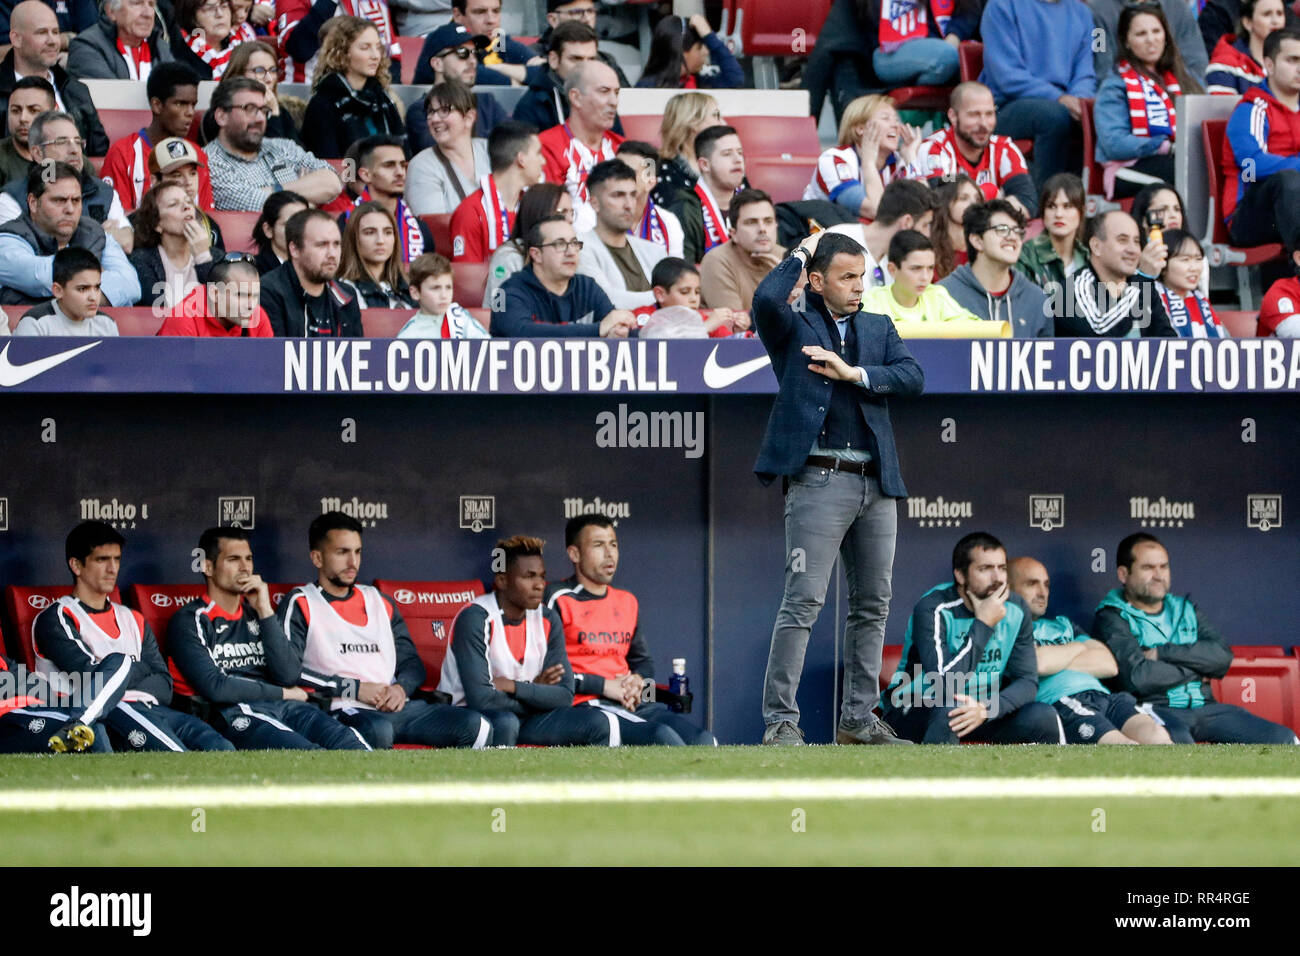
[874,733]
[783,734]
[72,737]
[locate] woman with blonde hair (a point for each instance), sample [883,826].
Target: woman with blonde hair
[350,98]
[685,116]
[257,60]
[371,264]
[875,148]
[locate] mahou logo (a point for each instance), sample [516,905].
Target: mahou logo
[117,514]
[938,513]
[573,507]
[1161,512]
[367,512]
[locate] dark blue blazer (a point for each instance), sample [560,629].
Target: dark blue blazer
[804,398]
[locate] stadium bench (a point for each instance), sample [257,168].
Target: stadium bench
[469,280]
[384,323]
[156,604]
[23,604]
[1218,246]
[1268,687]
[428,608]
[136,320]
[440,228]
[236,229]
[1240,325]
[778,137]
[1095,200]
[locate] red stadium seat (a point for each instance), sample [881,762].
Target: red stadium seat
[1240,325]
[1258,650]
[411,47]
[1093,190]
[921,97]
[136,320]
[469,281]
[784,182]
[236,229]
[429,607]
[14,313]
[384,323]
[483,316]
[778,137]
[120,124]
[889,658]
[643,128]
[970,56]
[1218,246]
[158,602]
[1268,687]
[440,228]
[769,28]
[23,604]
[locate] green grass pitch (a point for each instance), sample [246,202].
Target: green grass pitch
[948,830]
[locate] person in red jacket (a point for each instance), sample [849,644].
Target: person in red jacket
[1280,314]
[486,217]
[224,306]
[573,148]
[1261,152]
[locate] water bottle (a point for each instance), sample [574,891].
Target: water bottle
[679,683]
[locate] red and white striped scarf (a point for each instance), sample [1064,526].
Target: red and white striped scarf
[1135,87]
[494,208]
[139,59]
[715,222]
[217,59]
[652,225]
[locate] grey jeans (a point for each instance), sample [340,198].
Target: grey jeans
[829,513]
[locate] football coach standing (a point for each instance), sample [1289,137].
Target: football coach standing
[830,441]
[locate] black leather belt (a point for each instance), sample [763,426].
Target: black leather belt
[863,468]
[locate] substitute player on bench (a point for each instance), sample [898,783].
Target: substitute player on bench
[355,648]
[230,650]
[81,631]
[602,637]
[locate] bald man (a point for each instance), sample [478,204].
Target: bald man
[1070,668]
[572,149]
[36,46]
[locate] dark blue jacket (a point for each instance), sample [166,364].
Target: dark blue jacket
[803,399]
[418,137]
[530,310]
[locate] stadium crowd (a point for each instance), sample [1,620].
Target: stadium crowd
[348,182]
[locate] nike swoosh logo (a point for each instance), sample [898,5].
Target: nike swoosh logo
[11,374]
[718,376]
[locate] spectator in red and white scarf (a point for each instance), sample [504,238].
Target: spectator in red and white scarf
[1134,113]
[875,148]
[486,218]
[917,40]
[207,36]
[1189,310]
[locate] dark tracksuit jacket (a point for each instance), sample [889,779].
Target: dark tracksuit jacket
[230,660]
[294,314]
[468,646]
[148,674]
[530,309]
[409,672]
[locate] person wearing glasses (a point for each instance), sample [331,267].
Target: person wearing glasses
[485,218]
[451,59]
[544,199]
[126,43]
[33,30]
[440,177]
[990,286]
[206,36]
[173,91]
[53,138]
[247,166]
[1110,296]
[256,60]
[547,298]
[54,220]
[225,306]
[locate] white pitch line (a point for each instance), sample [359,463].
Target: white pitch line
[640,791]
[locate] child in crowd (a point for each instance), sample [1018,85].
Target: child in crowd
[912,296]
[677,282]
[74,310]
[439,317]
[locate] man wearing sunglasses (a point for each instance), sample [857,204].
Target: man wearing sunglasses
[547,298]
[448,54]
[990,286]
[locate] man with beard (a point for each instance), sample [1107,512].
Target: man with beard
[246,167]
[1110,296]
[301,297]
[968,670]
[732,271]
[970,146]
[619,262]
